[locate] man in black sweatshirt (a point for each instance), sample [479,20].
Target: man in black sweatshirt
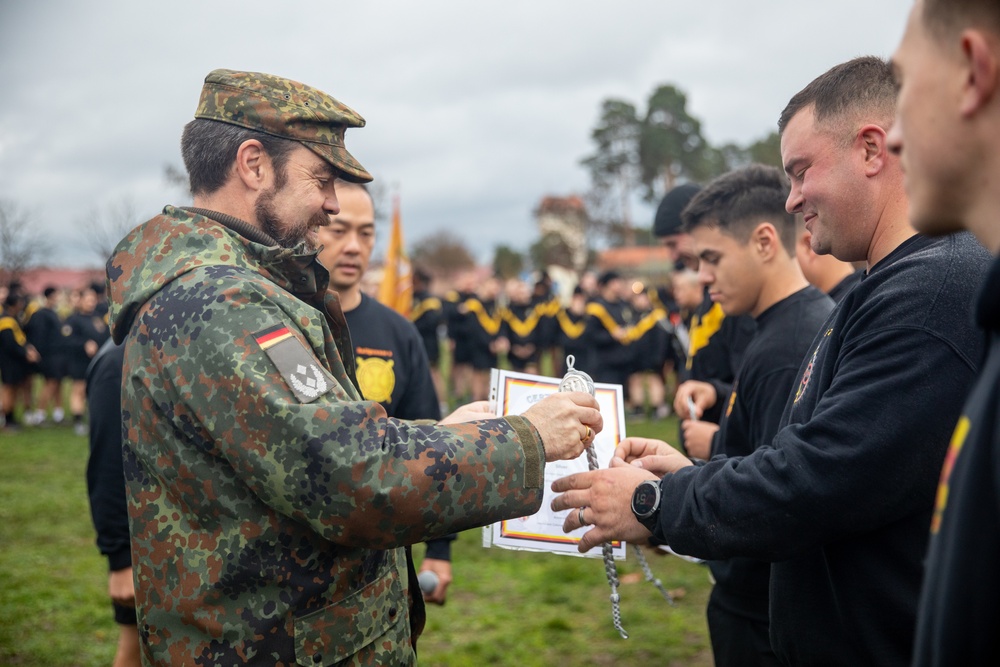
[746,243]
[715,343]
[840,501]
[947,132]
[106,489]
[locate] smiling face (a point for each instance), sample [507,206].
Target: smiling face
[349,238]
[299,201]
[927,135]
[731,270]
[827,186]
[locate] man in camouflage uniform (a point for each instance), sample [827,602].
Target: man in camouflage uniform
[269,503]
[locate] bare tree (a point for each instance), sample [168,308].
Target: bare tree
[382,202]
[22,244]
[442,253]
[176,179]
[103,227]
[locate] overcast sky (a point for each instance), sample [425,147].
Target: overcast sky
[475,110]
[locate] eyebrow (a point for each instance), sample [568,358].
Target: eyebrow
[324,169]
[336,220]
[790,166]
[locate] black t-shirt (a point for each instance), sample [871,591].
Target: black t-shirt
[521,327]
[392,368]
[611,360]
[785,333]
[392,365]
[651,349]
[960,603]
[841,500]
[574,339]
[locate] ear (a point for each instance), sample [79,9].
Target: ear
[982,67]
[253,165]
[872,140]
[804,239]
[765,241]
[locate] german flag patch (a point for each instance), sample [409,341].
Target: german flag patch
[303,373]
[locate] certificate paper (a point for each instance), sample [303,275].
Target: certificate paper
[513,393]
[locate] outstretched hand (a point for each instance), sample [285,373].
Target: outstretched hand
[606,498]
[656,456]
[470,412]
[566,422]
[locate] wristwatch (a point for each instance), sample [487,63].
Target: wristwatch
[646,503]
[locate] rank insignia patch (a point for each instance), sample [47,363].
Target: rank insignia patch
[304,375]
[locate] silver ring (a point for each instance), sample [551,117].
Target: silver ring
[579,515]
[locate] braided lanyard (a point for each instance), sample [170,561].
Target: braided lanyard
[575,380]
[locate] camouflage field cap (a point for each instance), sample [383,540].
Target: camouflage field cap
[287,109]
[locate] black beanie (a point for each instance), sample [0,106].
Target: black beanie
[668,214]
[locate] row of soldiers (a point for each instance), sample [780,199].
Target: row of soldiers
[619,332]
[53,338]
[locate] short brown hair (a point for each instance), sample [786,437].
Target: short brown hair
[860,87]
[943,17]
[738,201]
[209,149]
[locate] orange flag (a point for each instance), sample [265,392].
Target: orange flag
[396,290]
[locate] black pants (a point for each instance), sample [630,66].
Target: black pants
[737,640]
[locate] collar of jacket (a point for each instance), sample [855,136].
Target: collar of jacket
[296,270]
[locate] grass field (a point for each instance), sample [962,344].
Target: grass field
[504,607]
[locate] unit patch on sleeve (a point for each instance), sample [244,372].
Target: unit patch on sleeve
[304,375]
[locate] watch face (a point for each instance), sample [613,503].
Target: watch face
[645,499]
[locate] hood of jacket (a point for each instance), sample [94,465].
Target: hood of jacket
[179,240]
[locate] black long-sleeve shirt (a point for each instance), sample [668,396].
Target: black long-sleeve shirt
[785,333]
[960,604]
[105,476]
[841,500]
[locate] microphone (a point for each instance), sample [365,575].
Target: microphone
[428,581]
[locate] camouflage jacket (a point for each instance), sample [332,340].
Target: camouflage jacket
[269,503]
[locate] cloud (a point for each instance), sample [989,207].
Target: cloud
[475,110]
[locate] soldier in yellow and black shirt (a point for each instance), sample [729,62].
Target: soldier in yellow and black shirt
[428,316]
[482,329]
[571,335]
[458,320]
[15,355]
[521,327]
[609,318]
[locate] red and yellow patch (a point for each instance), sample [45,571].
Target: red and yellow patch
[304,374]
[272,336]
[957,440]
